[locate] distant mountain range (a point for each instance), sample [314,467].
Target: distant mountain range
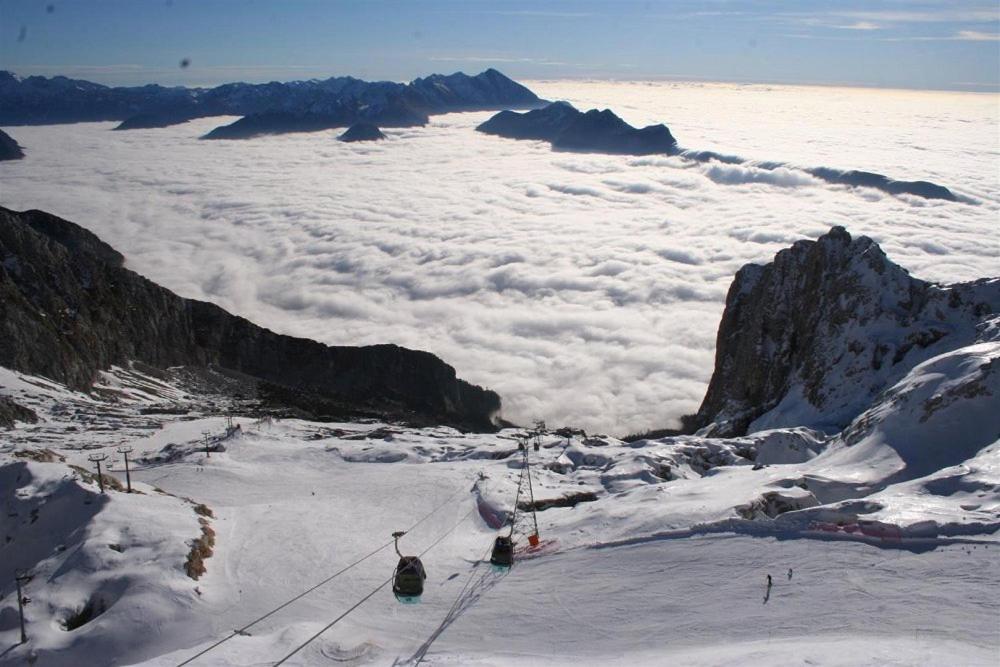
[315,105]
[268,107]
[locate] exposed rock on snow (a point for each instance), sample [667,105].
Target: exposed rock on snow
[69,308]
[11,412]
[813,337]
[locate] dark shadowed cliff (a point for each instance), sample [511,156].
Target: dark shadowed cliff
[69,308]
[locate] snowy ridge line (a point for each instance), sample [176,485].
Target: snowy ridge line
[373,592]
[246,627]
[756,529]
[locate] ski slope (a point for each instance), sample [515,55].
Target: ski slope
[667,565]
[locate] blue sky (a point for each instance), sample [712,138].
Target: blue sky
[889,43]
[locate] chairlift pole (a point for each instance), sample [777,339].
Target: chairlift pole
[540,428]
[208,453]
[19,578]
[97,458]
[531,494]
[124,451]
[517,496]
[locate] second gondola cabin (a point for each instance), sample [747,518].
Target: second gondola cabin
[503,552]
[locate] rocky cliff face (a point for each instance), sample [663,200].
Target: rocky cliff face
[813,337]
[69,308]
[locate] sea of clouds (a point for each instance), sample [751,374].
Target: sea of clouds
[586,289]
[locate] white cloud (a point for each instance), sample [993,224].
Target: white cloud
[977,36]
[860,25]
[498,60]
[586,289]
[944,15]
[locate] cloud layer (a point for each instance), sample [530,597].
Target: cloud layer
[586,289]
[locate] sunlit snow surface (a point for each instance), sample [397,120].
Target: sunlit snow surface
[667,564]
[586,289]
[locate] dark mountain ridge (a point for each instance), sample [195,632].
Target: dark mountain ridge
[69,308]
[337,101]
[567,128]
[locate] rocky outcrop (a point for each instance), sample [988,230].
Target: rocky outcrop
[69,308]
[566,128]
[362,132]
[811,338]
[11,412]
[9,149]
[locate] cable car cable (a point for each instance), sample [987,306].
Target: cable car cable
[370,595]
[421,652]
[333,576]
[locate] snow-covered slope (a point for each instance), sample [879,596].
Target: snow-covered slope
[104,568]
[652,551]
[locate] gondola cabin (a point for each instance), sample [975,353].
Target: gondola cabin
[408,582]
[503,552]
[408,579]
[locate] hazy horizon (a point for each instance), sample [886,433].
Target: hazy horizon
[529,82]
[924,45]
